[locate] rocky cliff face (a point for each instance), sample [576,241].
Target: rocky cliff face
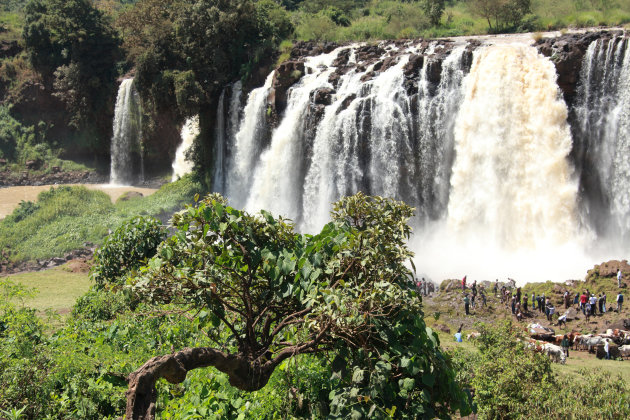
[565,51]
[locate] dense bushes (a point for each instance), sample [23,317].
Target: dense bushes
[126,249]
[510,381]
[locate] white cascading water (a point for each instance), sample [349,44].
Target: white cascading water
[436,121]
[182,165]
[247,145]
[512,209]
[334,168]
[276,185]
[127,134]
[603,117]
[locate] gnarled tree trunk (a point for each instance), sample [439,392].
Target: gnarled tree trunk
[243,373]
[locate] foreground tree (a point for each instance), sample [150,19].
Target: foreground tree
[272,294]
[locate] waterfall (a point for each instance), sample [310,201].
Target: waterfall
[127,137]
[476,137]
[225,132]
[181,165]
[511,178]
[247,144]
[603,136]
[276,184]
[512,209]
[436,111]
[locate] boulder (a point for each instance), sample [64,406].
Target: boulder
[571,314]
[129,195]
[346,102]
[413,66]
[450,285]
[322,96]
[285,76]
[443,328]
[33,164]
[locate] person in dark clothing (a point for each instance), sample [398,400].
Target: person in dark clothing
[518,295]
[525,302]
[565,345]
[466,304]
[513,304]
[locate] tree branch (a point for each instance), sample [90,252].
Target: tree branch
[142,395]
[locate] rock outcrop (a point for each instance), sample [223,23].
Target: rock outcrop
[567,52]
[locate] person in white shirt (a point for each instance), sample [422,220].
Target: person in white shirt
[619,277]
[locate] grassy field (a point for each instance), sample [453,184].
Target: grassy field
[57,288]
[584,360]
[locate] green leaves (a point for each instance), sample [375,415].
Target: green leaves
[127,248]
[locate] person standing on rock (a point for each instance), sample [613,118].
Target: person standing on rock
[619,302]
[464,283]
[619,275]
[466,304]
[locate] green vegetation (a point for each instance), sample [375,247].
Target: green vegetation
[276,294]
[64,218]
[511,381]
[339,332]
[124,250]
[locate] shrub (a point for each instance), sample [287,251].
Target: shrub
[126,249]
[508,378]
[100,305]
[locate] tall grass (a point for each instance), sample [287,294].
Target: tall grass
[66,217]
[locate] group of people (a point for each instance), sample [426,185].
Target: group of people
[588,303]
[472,301]
[421,285]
